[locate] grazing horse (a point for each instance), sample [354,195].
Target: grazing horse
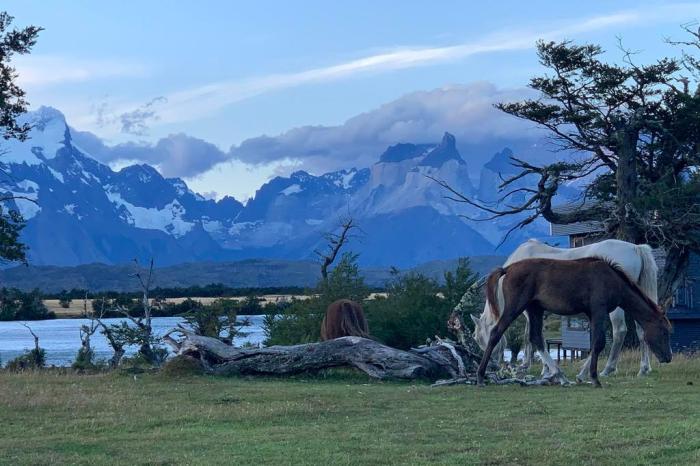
[594,287]
[636,261]
[344,318]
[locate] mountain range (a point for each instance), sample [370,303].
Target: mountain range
[86,212]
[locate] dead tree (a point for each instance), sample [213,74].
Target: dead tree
[335,242]
[85,353]
[34,335]
[113,339]
[142,332]
[34,358]
[442,359]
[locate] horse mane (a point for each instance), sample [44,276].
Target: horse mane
[626,278]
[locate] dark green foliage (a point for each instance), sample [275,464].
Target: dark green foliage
[17,305]
[189,305]
[63,300]
[249,307]
[412,313]
[300,321]
[214,290]
[12,105]
[344,282]
[216,320]
[31,360]
[11,225]
[417,308]
[85,361]
[458,281]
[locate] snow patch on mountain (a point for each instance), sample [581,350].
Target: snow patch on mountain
[293,189]
[168,219]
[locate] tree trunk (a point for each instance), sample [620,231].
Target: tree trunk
[626,181]
[373,358]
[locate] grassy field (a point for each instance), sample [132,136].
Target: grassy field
[344,418]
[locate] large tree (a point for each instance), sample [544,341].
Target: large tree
[12,105]
[632,135]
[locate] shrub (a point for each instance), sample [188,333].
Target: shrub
[85,361]
[417,307]
[412,313]
[181,366]
[216,320]
[299,322]
[30,360]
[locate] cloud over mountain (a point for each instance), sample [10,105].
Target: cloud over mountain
[467,111]
[177,155]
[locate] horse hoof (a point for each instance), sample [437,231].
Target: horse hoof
[580,379]
[644,372]
[597,384]
[608,371]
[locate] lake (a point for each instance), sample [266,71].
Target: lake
[61,337]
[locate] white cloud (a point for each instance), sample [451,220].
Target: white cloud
[201,101]
[48,70]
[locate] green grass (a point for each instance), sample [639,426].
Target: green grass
[344,418]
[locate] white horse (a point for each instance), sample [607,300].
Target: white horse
[636,261]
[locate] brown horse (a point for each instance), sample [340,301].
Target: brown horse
[344,318]
[590,286]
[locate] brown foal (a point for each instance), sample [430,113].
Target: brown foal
[590,286]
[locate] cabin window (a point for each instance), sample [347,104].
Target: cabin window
[578,241]
[684,295]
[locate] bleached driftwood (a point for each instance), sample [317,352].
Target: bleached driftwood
[438,360]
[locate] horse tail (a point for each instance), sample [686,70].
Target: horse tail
[492,290]
[649,274]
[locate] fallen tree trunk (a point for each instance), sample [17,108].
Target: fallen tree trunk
[443,359]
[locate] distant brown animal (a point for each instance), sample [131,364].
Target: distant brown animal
[590,286]
[344,318]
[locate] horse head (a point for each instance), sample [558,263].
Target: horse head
[657,334]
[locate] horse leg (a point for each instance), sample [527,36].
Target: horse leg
[550,369]
[495,336]
[597,344]
[619,331]
[645,363]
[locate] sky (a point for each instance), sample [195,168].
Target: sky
[227,94]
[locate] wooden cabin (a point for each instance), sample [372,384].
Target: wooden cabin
[684,312]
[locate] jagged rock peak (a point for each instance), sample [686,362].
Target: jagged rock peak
[500,162]
[404,151]
[447,150]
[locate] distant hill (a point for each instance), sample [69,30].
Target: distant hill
[250,273]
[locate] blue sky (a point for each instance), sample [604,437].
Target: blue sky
[226,72]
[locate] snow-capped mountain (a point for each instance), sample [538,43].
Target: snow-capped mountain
[87,212]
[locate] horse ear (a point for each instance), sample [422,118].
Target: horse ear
[475,319]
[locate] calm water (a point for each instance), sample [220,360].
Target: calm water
[61,337]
